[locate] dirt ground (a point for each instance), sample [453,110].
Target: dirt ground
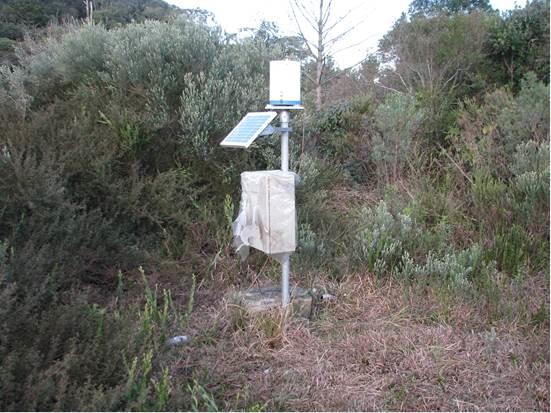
[376,347]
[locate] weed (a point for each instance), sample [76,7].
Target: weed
[509,249]
[201,399]
[541,316]
[120,283]
[270,326]
[162,391]
[239,318]
[191,300]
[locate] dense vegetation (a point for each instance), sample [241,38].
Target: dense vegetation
[17,17]
[435,169]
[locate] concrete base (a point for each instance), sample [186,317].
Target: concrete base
[268,298]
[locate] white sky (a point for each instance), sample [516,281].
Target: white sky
[371,18]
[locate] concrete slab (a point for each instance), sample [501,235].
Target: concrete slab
[269,297]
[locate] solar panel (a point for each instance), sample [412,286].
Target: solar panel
[248,129]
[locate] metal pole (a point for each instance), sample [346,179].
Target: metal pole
[286,263]
[284,141]
[285,268]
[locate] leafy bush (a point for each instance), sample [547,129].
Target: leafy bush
[490,133]
[147,105]
[530,168]
[456,269]
[491,199]
[73,355]
[309,245]
[321,225]
[397,245]
[6,45]
[73,55]
[14,99]
[105,163]
[382,239]
[397,120]
[527,118]
[518,42]
[510,249]
[339,133]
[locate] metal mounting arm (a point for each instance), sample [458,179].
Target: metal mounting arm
[270,130]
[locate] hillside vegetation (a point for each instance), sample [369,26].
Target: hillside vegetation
[423,207]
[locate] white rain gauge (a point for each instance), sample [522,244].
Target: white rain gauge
[267,217]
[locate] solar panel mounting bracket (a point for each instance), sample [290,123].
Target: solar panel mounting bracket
[270,130]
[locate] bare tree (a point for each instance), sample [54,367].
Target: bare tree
[320,31]
[89,11]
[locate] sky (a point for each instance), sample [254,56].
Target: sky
[371,19]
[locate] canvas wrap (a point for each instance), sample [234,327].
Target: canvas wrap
[267,215]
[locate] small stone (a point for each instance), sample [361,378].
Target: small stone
[178,340]
[328,297]
[268,298]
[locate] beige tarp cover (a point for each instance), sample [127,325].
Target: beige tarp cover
[267,217]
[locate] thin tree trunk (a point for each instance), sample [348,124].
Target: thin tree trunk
[89,11]
[318,20]
[319,59]
[319,70]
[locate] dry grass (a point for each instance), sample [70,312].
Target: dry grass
[374,348]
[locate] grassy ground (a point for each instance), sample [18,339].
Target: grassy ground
[378,346]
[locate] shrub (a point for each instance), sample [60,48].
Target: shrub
[14,99]
[321,224]
[73,355]
[528,116]
[490,133]
[530,168]
[6,45]
[509,249]
[129,123]
[309,245]
[455,269]
[103,166]
[397,245]
[491,200]
[397,120]
[382,239]
[60,61]
[339,133]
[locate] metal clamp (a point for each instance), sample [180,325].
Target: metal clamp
[270,130]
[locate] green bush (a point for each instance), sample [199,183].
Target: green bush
[11,31]
[129,120]
[6,45]
[510,249]
[490,132]
[382,239]
[518,43]
[491,200]
[397,120]
[73,355]
[455,269]
[530,170]
[310,246]
[339,133]
[109,159]
[55,64]
[397,245]
[321,226]
[527,118]
[14,99]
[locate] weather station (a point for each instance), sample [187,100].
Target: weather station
[267,214]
